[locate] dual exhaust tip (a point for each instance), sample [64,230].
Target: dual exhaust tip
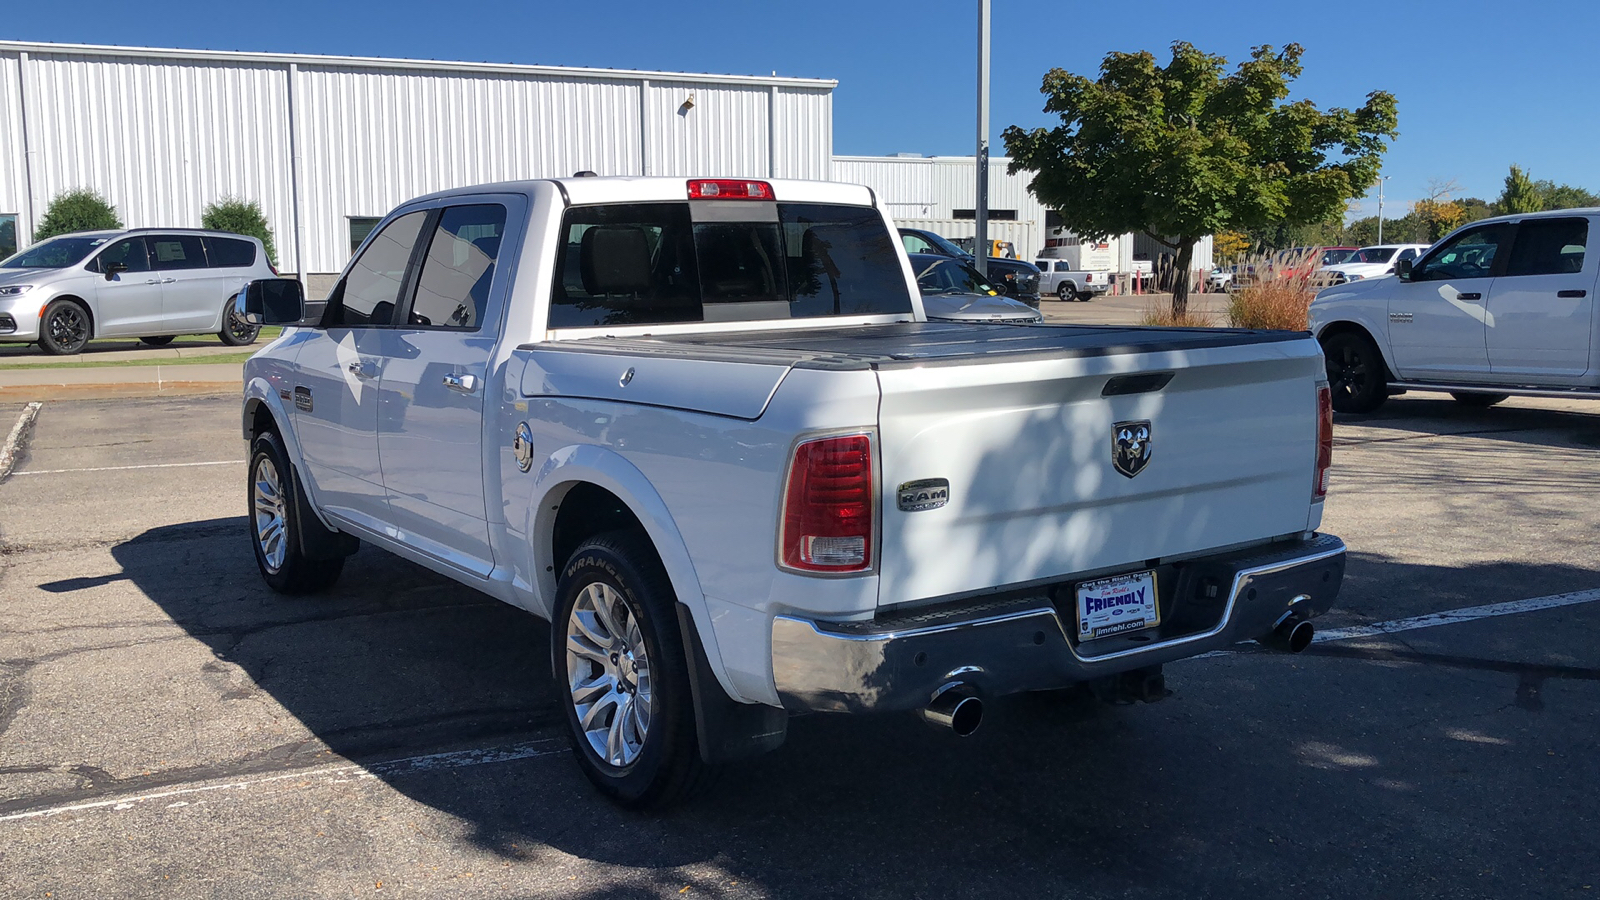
[955,706]
[1291,636]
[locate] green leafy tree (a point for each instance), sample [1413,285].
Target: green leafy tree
[1519,195]
[240,217]
[80,209]
[1183,150]
[1564,196]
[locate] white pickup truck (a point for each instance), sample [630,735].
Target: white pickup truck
[1501,307]
[703,427]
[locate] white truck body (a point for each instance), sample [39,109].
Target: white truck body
[1076,269]
[463,451]
[1501,307]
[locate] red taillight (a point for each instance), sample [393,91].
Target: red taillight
[827,507]
[729,189]
[1319,488]
[272,268]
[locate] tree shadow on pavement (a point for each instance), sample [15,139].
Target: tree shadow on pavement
[1266,774]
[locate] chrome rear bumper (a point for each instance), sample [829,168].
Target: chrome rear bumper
[1023,643]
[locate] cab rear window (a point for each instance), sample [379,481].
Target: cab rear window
[658,263]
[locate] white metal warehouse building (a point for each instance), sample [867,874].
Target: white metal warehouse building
[327,144]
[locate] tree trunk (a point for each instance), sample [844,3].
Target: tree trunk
[1180,284]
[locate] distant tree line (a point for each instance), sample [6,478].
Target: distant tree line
[1427,220]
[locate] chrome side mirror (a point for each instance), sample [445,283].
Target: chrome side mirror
[271,301]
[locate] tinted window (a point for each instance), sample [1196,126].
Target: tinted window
[177,251]
[947,276]
[1371,255]
[914,243]
[366,296]
[56,253]
[360,227]
[453,290]
[229,253]
[1467,255]
[1549,247]
[8,235]
[650,263]
[130,252]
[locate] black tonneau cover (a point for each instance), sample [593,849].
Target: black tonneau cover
[920,343]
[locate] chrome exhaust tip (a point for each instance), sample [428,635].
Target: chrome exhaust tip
[955,707]
[1291,636]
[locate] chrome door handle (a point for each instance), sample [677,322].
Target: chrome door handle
[466,384]
[152,281]
[168,280]
[360,370]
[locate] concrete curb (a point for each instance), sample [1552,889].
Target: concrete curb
[19,433]
[121,381]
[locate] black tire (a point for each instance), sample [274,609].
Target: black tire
[666,768]
[1356,373]
[1084,296]
[236,332]
[160,340]
[1478,399]
[1064,292]
[64,328]
[295,572]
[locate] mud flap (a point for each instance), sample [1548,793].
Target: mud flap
[316,540]
[727,730]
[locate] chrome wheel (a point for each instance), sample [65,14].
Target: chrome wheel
[608,674]
[266,497]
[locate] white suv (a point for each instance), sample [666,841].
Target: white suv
[145,283]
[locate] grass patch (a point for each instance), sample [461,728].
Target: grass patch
[1159,315]
[147,361]
[1278,294]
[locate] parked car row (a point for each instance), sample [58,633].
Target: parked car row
[150,284]
[1014,277]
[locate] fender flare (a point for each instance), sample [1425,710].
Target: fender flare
[587,463]
[258,392]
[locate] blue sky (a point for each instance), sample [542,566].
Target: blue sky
[1480,84]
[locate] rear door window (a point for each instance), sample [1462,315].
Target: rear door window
[635,264]
[1549,247]
[453,289]
[366,296]
[229,253]
[177,251]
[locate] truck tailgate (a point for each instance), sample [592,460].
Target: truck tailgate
[1027,445]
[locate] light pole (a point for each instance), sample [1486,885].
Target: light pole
[980,243]
[1381,180]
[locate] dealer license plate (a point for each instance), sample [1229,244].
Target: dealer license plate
[1117,605]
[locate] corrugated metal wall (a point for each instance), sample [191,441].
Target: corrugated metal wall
[159,138]
[13,177]
[163,133]
[934,187]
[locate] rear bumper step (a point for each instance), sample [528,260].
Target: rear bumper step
[900,662]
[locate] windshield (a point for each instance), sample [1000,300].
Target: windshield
[56,253]
[947,276]
[1334,257]
[1372,255]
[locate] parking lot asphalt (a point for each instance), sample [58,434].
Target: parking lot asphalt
[168,726]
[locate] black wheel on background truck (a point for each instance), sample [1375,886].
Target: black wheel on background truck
[295,557]
[1478,399]
[1064,292]
[157,340]
[64,328]
[1356,373]
[1085,296]
[619,663]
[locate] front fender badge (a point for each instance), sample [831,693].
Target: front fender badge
[929,493]
[522,446]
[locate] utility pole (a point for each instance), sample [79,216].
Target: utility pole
[1381,180]
[980,244]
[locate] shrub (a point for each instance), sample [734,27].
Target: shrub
[80,209]
[237,216]
[1277,291]
[1160,315]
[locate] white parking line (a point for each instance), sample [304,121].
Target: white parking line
[1451,617]
[8,450]
[220,462]
[434,761]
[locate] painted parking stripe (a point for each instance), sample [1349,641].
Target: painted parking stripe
[1454,616]
[220,462]
[1432,620]
[458,759]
